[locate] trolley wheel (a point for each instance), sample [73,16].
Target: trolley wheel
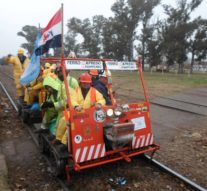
[43,145]
[25,117]
[59,165]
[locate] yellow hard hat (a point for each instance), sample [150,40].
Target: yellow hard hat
[47,65]
[20,51]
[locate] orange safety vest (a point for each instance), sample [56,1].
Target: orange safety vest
[93,94]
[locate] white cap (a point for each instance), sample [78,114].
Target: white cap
[71,55]
[104,74]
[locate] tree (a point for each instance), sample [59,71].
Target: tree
[29,33]
[198,41]
[126,19]
[71,43]
[176,31]
[92,33]
[147,30]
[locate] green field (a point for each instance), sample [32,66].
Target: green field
[128,83]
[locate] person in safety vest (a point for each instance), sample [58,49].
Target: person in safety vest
[94,76]
[53,68]
[19,63]
[101,86]
[33,90]
[61,126]
[46,70]
[53,103]
[86,96]
[82,97]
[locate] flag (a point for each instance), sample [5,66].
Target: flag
[33,69]
[51,35]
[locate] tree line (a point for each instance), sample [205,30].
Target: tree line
[171,39]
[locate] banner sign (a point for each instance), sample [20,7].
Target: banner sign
[83,65]
[111,65]
[123,65]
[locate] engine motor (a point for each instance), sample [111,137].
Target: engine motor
[118,135]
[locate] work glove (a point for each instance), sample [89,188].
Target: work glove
[47,104]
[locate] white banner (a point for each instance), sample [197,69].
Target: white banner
[111,65]
[83,65]
[123,65]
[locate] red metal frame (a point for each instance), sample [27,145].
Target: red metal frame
[87,146]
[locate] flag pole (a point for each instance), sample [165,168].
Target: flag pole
[62,44]
[66,88]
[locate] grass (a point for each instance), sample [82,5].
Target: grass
[128,85]
[158,83]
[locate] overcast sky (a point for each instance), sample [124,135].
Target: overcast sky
[14,14]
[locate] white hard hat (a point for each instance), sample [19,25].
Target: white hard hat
[104,74]
[71,55]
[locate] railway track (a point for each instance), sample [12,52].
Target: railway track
[176,104]
[153,162]
[9,76]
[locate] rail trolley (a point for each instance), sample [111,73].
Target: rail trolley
[96,137]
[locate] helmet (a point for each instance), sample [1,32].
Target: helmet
[85,77]
[47,65]
[71,55]
[93,72]
[104,74]
[20,51]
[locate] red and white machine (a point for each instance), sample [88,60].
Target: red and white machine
[115,132]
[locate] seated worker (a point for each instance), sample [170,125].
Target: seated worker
[32,90]
[83,97]
[53,68]
[46,70]
[52,105]
[94,76]
[86,96]
[72,84]
[101,86]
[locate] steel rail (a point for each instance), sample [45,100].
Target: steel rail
[182,101]
[7,75]
[188,182]
[175,108]
[170,107]
[10,99]
[61,182]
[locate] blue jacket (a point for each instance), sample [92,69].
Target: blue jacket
[104,91]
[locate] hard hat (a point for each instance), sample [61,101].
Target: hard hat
[20,51]
[47,65]
[93,72]
[104,74]
[71,55]
[85,77]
